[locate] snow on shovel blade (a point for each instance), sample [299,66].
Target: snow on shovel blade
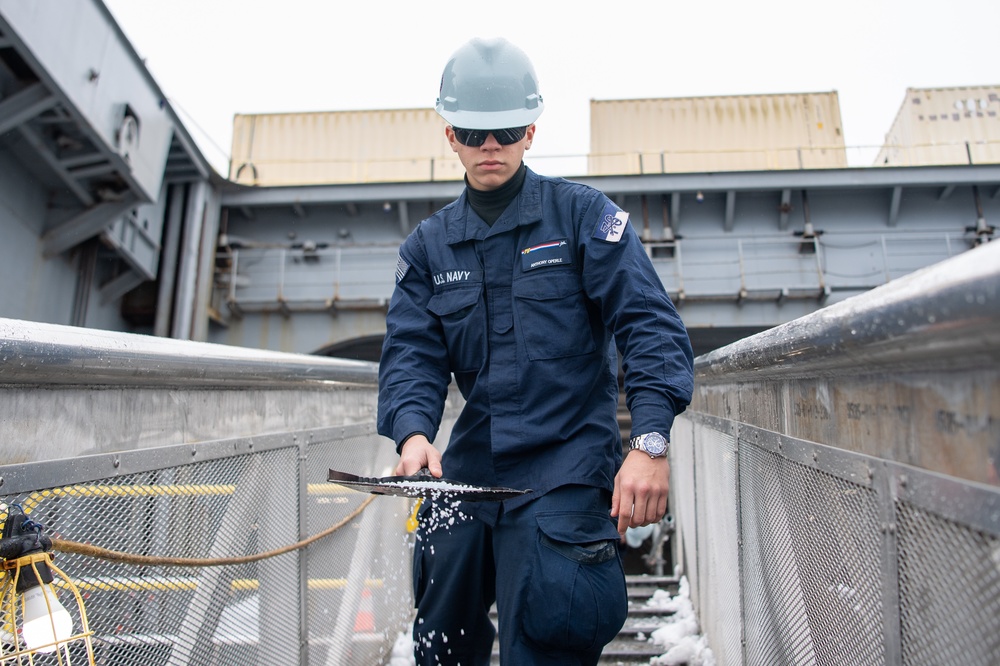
[422,485]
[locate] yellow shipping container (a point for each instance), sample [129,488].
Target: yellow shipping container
[729,133]
[944,126]
[395,145]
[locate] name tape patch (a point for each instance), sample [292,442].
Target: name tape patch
[549,253]
[611,226]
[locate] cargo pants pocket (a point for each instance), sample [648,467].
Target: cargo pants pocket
[576,599]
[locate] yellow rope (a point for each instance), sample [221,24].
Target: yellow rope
[148,560]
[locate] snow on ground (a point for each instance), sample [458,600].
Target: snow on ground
[402,650]
[679,637]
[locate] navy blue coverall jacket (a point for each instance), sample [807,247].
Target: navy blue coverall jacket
[523,313]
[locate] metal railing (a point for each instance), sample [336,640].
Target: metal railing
[835,481]
[160,448]
[714,268]
[298,171]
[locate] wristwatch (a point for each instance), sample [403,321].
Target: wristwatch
[653,443]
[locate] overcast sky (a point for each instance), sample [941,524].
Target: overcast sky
[217,58]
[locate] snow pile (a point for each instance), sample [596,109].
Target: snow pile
[679,637]
[402,650]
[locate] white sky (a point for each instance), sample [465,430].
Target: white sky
[216,58]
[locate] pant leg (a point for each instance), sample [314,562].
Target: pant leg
[454,588]
[561,593]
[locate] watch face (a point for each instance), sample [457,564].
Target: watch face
[655,444]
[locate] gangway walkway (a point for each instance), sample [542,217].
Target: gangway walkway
[833,488]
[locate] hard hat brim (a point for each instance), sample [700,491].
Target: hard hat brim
[488,120]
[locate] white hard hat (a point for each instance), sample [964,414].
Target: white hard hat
[489,84]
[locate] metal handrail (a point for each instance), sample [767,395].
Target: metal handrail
[946,311]
[49,354]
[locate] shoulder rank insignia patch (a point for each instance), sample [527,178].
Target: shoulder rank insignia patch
[611,226]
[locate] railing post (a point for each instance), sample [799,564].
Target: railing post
[303,555]
[281,275]
[739,542]
[885,258]
[232,276]
[883,483]
[819,264]
[680,268]
[743,277]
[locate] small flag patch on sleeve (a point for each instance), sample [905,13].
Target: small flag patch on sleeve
[611,226]
[401,268]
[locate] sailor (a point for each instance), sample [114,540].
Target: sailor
[526,289]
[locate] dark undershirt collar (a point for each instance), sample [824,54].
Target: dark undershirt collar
[490,204]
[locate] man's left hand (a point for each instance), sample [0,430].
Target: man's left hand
[641,489]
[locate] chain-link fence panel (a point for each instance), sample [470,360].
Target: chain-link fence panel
[360,594]
[813,574]
[823,556]
[718,549]
[949,590]
[253,596]
[683,500]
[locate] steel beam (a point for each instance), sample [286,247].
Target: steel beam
[404,218]
[120,286]
[784,209]
[85,225]
[897,196]
[19,108]
[36,141]
[740,181]
[730,209]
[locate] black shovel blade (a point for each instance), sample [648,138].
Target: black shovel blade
[423,485]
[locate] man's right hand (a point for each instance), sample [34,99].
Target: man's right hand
[417,453]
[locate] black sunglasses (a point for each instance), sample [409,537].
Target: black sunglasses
[476,138]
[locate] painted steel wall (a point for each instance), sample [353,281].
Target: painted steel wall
[77,48]
[41,288]
[341,147]
[945,126]
[731,133]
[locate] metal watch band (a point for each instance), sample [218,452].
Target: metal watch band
[653,444]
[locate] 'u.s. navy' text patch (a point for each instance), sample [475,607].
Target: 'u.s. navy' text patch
[611,226]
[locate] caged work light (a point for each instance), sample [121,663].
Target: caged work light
[35,627]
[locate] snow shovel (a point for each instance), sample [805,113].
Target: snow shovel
[422,484]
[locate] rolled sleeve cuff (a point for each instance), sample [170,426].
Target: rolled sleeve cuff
[652,418]
[408,424]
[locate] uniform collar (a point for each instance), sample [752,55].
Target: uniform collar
[462,224]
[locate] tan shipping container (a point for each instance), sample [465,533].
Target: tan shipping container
[395,145]
[728,133]
[944,126]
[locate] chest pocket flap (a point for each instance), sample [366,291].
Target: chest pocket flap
[463,318]
[553,316]
[452,301]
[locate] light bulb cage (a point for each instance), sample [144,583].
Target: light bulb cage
[13,649]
